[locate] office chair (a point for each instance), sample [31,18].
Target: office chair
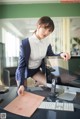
[4,87]
[6,78]
[50,75]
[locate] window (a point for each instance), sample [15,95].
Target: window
[11,46]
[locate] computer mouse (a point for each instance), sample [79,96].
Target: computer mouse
[57,100]
[48,99]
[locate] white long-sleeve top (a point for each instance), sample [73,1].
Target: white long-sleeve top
[38,51]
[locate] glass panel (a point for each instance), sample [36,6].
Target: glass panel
[65,37]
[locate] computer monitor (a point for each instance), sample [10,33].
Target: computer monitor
[67,72]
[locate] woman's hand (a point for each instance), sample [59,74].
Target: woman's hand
[65,56]
[21,90]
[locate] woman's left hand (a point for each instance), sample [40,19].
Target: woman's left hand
[65,56]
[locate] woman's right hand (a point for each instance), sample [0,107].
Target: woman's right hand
[21,90]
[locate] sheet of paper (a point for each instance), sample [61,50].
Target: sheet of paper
[25,105]
[67,96]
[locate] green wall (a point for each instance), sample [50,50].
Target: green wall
[38,10]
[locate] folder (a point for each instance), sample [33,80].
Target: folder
[25,105]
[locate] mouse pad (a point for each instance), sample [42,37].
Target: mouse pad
[25,105]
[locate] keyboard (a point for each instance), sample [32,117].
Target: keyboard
[64,106]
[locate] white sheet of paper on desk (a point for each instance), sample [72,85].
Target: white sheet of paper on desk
[25,105]
[67,96]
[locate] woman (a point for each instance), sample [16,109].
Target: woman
[33,50]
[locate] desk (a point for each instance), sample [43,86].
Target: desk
[39,113]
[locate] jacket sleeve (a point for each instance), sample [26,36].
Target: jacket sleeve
[50,52]
[21,71]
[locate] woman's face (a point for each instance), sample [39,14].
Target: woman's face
[42,32]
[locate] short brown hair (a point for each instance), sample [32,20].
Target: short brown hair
[47,22]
